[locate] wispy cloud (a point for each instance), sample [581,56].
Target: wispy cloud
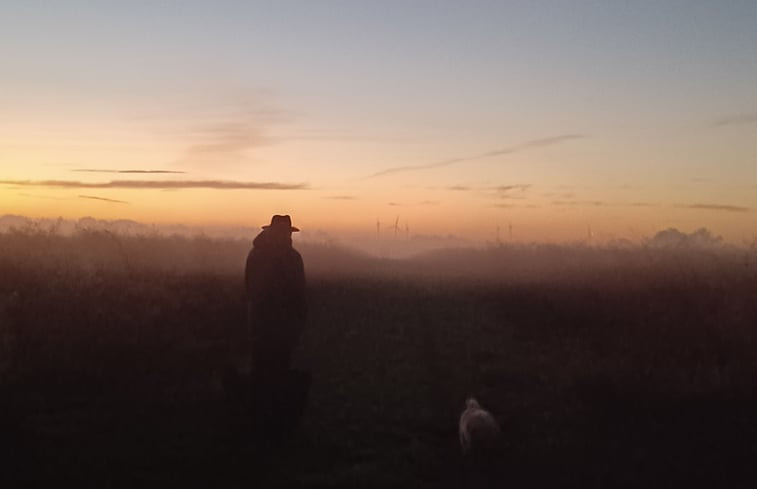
[513,206]
[341,197]
[159,184]
[717,207]
[510,191]
[112,201]
[231,135]
[747,118]
[424,203]
[94,170]
[594,203]
[536,143]
[223,130]
[507,188]
[225,141]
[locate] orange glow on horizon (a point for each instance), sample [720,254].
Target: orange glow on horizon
[312,212]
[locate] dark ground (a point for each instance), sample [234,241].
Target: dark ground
[115,379]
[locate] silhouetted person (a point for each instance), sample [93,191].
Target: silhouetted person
[277,309]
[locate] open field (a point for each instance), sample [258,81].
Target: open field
[630,367]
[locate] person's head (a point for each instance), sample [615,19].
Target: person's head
[280,230]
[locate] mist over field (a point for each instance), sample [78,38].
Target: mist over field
[129,246]
[623,365]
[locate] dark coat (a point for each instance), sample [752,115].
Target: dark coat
[275,282]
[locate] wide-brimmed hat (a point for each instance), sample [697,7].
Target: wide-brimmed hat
[281,223]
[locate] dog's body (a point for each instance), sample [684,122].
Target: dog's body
[478,428]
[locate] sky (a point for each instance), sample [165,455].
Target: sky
[482,120]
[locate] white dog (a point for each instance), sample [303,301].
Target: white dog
[478,428]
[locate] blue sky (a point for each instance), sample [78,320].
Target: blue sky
[327,93]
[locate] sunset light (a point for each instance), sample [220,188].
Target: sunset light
[627,120]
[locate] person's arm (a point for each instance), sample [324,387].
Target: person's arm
[248,273]
[301,290]
[250,277]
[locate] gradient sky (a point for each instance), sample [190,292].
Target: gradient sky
[456,117]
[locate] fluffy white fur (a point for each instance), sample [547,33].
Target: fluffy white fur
[478,428]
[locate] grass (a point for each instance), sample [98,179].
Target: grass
[606,367]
